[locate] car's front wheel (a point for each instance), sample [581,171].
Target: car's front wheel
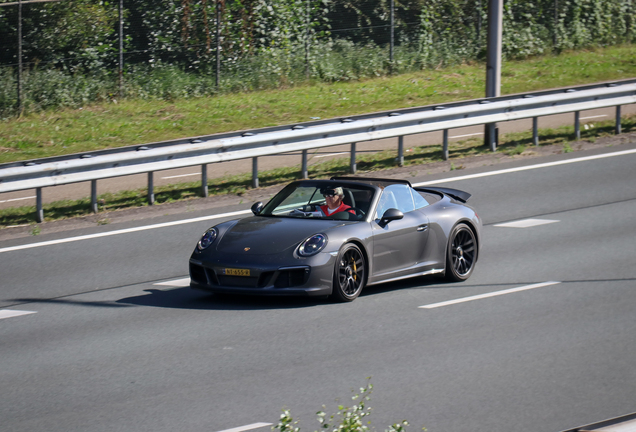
[349,274]
[461,255]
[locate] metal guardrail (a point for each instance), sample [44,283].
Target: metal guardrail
[624,423]
[93,166]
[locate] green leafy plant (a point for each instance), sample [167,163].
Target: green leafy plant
[345,419]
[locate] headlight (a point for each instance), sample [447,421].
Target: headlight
[312,245]
[207,239]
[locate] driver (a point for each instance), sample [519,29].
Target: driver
[335,204]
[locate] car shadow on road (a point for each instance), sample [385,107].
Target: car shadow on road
[187,298]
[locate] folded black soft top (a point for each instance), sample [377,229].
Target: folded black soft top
[453,193]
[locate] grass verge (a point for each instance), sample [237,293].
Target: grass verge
[130,122]
[510,144]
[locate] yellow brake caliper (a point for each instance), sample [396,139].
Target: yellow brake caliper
[355,269]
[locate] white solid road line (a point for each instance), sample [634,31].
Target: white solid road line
[526,223]
[181,175]
[487,295]
[247,427]
[124,231]
[330,154]
[244,212]
[7,313]
[529,167]
[175,283]
[596,116]
[467,135]
[17,199]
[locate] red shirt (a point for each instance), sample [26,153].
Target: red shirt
[343,207]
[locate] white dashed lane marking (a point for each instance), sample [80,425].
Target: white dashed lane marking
[175,283]
[487,295]
[526,223]
[7,313]
[247,427]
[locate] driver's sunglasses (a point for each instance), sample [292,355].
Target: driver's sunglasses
[329,195]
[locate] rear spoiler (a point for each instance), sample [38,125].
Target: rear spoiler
[453,193]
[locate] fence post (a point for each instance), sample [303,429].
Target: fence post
[617,130]
[577,125]
[535,131]
[400,158]
[121,49]
[254,172]
[478,21]
[94,208]
[204,180]
[20,105]
[218,45]
[353,158]
[392,43]
[556,21]
[151,189]
[307,44]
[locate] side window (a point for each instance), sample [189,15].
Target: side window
[403,197]
[418,199]
[395,196]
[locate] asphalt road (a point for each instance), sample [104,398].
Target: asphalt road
[111,348]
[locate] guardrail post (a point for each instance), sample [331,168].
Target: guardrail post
[618,120]
[400,158]
[445,144]
[39,214]
[254,172]
[577,125]
[490,135]
[94,196]
[535,131]
[151,188]
[353,158]
[304,171]
[204,180]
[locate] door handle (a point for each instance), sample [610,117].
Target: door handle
[422,227]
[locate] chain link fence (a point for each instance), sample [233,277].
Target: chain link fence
[58,53]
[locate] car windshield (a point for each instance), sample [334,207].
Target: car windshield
[321,200]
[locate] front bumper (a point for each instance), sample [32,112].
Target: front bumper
[313,276]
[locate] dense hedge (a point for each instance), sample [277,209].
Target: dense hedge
[71,48]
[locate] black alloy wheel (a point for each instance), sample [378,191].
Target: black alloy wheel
[349,274]
[462,253]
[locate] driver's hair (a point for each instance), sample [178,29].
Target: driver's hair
[338,191]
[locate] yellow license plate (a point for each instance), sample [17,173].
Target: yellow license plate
[236,272]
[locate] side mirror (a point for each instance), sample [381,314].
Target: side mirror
[257,207]
[390,215]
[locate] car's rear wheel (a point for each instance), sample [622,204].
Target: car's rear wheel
[349,274]
[461,255]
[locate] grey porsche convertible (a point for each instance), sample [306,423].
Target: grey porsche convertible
[334,237]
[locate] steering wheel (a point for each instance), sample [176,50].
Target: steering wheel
[358,211]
